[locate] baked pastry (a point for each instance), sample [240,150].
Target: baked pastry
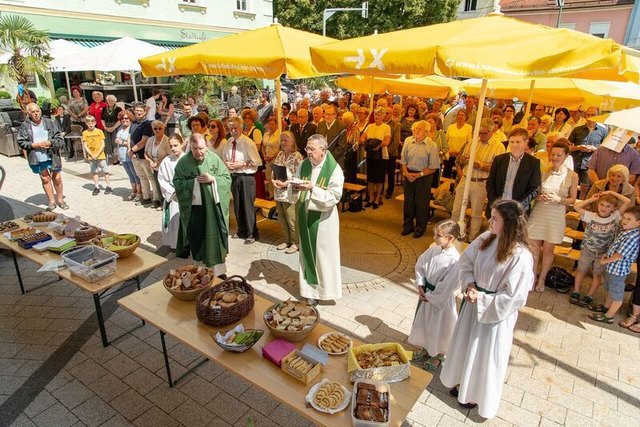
[85,234]
[329,396]
[189,277]
[291,316]
[335,343]
[8,226]
[23,232]
[371,405]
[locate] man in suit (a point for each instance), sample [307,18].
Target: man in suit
[303,130]
[336,134]
[514,175]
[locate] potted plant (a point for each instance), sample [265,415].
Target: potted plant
[5,99]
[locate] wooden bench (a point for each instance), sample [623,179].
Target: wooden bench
[574,254]
[439,208]
[269,205]
[349,189]
[573,234]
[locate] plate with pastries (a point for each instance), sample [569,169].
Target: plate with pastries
[335,343]
[328,396]
[371,403]
[7,226]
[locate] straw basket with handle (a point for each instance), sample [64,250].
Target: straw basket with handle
[217,307]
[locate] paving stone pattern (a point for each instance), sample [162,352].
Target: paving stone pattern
[564,369]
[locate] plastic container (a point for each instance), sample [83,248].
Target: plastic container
[381,387]
[92,263]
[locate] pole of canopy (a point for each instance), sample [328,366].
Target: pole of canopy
[371,96]
[527,110]
[66,76]
[472,158]
[133,81]
[278,103]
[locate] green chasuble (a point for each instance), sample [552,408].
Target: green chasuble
[308,221]
[208,225]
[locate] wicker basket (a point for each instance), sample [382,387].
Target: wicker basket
[293,336]
[237,348]
[191,294]
[220,316]
[123,253]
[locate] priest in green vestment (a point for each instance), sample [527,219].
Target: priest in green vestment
[318,222]
[202,183]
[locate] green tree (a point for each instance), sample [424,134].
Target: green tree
[28,48]
[384,15]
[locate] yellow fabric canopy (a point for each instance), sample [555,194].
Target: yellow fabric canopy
[429,86]
[267,53]
[563,92]
[494,46]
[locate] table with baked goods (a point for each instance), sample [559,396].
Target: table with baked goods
[128,270]
[178,319]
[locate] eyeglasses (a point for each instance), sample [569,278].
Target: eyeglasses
[484,132]
[158,128]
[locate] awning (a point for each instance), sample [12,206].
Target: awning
[93,42]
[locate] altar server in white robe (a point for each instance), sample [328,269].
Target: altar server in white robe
[437,281]
[318,222]
[170,211]
[496,273]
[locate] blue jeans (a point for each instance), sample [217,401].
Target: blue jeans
[128,168]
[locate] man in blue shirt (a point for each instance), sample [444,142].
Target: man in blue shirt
[585,140]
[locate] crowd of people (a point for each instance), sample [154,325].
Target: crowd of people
[527,172]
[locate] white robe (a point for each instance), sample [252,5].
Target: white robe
[328,244]
[481,343]
[166,171]
[434,320]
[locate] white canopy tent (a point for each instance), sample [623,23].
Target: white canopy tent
[117,55]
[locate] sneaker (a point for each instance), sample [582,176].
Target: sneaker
[130,197]
[282,246]
[137,198]
[291,249]
[108,190]
[95,191]
[574,298]
[143,202]
[585,301]
[249,241]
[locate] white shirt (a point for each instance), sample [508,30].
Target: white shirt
[151,105]
[245,151]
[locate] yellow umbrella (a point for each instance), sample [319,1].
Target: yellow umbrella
[563,92]
[265,53]
[493,46]
[428,86]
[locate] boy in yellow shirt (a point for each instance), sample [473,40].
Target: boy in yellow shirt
[93,140]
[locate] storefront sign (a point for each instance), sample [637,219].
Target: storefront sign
[198,36]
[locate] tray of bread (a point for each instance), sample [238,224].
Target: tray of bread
[370,403]
[30,240]
[335,343]
[7,226]
[382,362]
[20,233]
[40,218]
[328,396]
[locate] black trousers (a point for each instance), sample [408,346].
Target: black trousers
[449,169]
[635,298]
[417,195]
[243,188]
[391,175]
[351,166]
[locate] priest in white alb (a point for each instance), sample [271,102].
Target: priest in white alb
[496,272]
[320,187]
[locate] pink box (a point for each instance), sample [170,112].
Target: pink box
[277,349]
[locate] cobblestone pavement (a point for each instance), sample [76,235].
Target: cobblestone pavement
[54,371]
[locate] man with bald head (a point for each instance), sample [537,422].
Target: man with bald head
[41,139]
[335,133]
[202,183]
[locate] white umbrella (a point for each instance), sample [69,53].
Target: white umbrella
[64,53]
[625,119]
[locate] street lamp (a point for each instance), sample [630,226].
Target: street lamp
[328,13]
[560,4]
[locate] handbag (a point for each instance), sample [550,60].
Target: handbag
[370,145]
[559,279]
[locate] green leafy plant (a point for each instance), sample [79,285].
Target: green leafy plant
[5,95]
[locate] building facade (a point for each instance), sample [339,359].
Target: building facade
[475,8]
[601,18]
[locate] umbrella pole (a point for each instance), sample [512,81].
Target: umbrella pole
[278,103]
[371,96]
[527,110]
[472,158]
[66,76]
[133,81]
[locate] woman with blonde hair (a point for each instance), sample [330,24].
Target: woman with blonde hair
[96,107]
[270,149]
[375,139]
[617,180]
[156,149]
[353,140]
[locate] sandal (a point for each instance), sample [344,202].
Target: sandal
[601,317]
[432,364]
[51,207]
[630,320]
[420,355]
[539,288]
[598,308]
[63,206]
[635,328]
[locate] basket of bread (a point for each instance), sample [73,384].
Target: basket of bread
[225,303]
[292,320]
[381,362]
[122,244]
[188,281]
